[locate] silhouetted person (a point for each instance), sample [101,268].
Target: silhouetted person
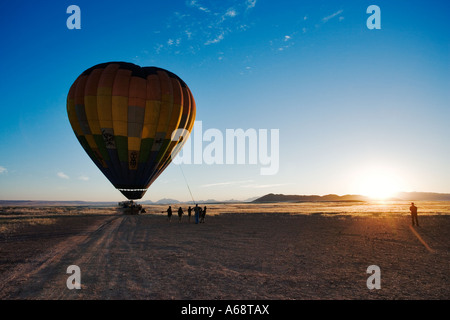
[413,210]
[197,213]
[202,220]
[189,213]
[169,213]
[180,214]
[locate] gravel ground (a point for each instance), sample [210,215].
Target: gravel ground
[235,256]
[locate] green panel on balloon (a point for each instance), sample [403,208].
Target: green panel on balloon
[163,150]
[101,147]
[146,145]
[122,148]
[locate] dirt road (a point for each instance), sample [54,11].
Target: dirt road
[246,256]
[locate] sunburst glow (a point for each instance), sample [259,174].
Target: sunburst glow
[379,183]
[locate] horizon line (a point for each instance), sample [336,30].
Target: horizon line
[232,200]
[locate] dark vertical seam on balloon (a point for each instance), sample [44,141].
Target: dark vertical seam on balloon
[167,159]
[99,142]
[189,128]
[144,165]
[131,173]
[120,169]
[169,117]
[97,161]
[153,155]
[111,166]
[115,159]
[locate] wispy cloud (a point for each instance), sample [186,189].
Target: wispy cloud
[282,44]
[217,184]
[62,175]
[231,12]
[226,183]
[331,16]
[285,42]
[261,186]
[244,184]
[3,170]
[217,39]
[83,178]
[172,42]
[191,30]
[195,4]
[251,4]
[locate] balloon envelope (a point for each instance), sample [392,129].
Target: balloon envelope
[124,116]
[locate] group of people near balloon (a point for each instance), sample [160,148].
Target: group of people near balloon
[199,214]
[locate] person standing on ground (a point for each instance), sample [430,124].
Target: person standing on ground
[196,213]
[413,210]
[169,213]
[189,213]
[180,214]
[203,215]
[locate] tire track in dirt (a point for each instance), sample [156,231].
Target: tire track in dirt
[45,275]
[93,256]
[111,264]
[232,257]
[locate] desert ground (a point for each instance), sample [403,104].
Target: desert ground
[241,252]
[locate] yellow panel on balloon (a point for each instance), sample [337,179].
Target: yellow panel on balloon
[120,114]
[90,108]
[104,109]
[134,143]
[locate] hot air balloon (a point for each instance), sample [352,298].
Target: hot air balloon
[124,116]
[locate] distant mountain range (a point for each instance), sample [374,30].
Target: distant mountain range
[268,198]
[423,196]
[164,201]
[401,196]
[307,198]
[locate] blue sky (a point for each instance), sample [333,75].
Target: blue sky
[349,102]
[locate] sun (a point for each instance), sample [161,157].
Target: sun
[378,183]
